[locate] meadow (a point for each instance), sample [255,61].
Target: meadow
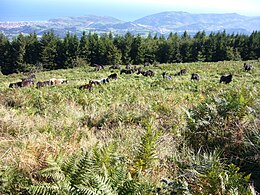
[133,135]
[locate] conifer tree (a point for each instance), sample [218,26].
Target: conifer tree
[112,55]
[32,53]
[18,53]
[173,42]
[150,49]
[70,49]
[84,51]
[4,54]
[48,54]
[163,50]
[137,50]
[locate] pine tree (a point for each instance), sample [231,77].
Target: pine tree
[48,54]
[94,47]
[18,53]
[150,49]
[137,50]
[186,47]
[112,55]
[32,53]
[163,50]
[70,48]
[84,51]
[174,48]
[198,47]
[4,55]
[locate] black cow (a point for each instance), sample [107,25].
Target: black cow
[99,82]
[146,64]
[15,85]
[182,72]
[40,84]
[139,70]
[195,76]
[112,76]
[165,76]
[128,66]
[88,86]
[248,67]
[98,67]
[226,79]
[128,71]
[147,73]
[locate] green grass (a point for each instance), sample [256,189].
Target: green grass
[146,118]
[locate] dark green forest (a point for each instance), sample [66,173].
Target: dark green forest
[26,52]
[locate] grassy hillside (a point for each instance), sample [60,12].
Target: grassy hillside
[132,135]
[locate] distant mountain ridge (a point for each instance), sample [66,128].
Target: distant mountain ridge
[160,23]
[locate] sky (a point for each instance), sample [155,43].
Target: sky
[127,10]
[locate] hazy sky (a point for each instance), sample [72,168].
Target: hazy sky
[128,10]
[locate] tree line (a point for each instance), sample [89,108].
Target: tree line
[50,52]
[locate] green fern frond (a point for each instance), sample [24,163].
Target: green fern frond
[103,185]
[104,155]
[53,172]
[147,148]
[45,189]
[84,191]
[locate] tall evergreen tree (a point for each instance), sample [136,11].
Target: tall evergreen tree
[210,48]
[174,48]
[124,44]
[254,45]
[32,53]
[186,47]
[112,55]
[150,49]
[163,50]
[95,49]
[198,46]
[18,53]
[48,53]
[70,49]
[5,65]
[137,50]
[84,50]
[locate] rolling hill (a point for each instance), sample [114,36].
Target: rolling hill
[160,23]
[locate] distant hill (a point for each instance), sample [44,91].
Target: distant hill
[160,23]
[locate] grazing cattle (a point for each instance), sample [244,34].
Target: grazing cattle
[40,84]
[55,81]
[146,64]
[112,76]
[147,73]
[226,79]
[129,71]
[98,67]
[128,66]
[99,82]
[182,72]
[165,76]
[23,83]
[195,76]
[94,82]
[15,85]
[115,66]
[27,83]
[88,86]
[139,70]
[248,67]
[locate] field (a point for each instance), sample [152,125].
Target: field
[133,135]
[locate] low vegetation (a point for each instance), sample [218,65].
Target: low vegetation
[133,135]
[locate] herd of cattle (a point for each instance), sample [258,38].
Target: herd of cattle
[29,81]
